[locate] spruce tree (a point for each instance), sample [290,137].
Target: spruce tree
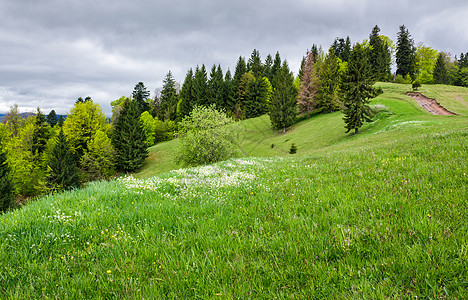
[186,100]
[128,138]
[168,99]
[379,55]
[283,109]
[140,95]
[216,87]
[52,118]
[258,98]
[440,73]
[7,189]
[405,53]
[200,87]
[267,65]
[63,173]
[241,70]
[275,69]
[357,89]
[328,84]
[40,134]
[229,93]
[255,64]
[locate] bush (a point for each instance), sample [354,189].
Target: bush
[207,136]
[293,149]
[402,80]
[416,85]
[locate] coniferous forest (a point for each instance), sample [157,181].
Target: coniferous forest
[44,153]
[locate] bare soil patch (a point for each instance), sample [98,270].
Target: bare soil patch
[429,104]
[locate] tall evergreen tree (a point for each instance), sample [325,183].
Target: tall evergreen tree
[328,84]
[128,138]
[241,69]
[186,101]
[405,53]
[379,55]
[63,173]
[216,87]
[357,89]
[40,134]
[200,87]
[60,121]
[169,99]
[258,98]
[275,69]
[283,109]
[7,189]
[52,118]
[267,65]
[342,48]
[229,93]
[140,95]
[255,64]
[309,86]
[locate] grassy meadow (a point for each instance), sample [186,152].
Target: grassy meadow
[380,214]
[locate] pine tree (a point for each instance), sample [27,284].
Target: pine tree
[63,173]
[200,87]
[128,138]
[275,69]
[186,99]
[258,98]
[52,118]
[267,65]
[140,95]
[328,84]
[255,64]
[282,107]
[405,54]
[216,87]
[357,89]
[241,69]
[440,70]
[169,99]
[40,134]
[377,55]
[7,189]
[309,85]
[229,93]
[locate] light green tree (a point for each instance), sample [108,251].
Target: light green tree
[82,123]
[98,161]
[149,127]
[207,136]
[426,59]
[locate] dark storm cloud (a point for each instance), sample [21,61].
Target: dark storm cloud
[54,51]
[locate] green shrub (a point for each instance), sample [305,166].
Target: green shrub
[416,85]
[293,149]
[207,136]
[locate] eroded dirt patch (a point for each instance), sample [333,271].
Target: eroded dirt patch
[431,105]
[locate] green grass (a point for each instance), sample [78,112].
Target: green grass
[376,215]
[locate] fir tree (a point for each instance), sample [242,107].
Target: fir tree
[63,173]
[128,138]
[60,121]
[200,87]
[255,64]
[282,107]
[378,55]
[186,99]
[216,87]
[229,93]
[267,65]
[52,118]
[328,84]
[440,73]
[241,69]
[140,95]
[258,98]
[169,99]
[40,134]
[7,189]
[275,69]
[357,89]
[405,53]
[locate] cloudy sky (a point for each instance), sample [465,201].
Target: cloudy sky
[54,51]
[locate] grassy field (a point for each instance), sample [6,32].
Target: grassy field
[377,215]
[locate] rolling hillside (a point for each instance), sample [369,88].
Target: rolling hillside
[376,215]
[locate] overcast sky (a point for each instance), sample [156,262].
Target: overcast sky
[54,51]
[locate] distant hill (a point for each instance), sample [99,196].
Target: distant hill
[27,115]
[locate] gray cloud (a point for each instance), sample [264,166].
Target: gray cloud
[56,51]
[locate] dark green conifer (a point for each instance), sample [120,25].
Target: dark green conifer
[40,134]
[168,99]
[7,189]
[357,89]
[128,138]
[405,54]
[440,73]
[62,171]
[255,64]
[186,99]
[200,87]
[52,118]
[283,108]
[140,95]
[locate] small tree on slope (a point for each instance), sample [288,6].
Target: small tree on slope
[7,190]
[62,171]
[357,90]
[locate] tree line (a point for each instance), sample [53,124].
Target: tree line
[40,154]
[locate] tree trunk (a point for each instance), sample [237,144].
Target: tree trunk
[356,130]
[284,129]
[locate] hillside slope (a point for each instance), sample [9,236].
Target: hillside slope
[377,215]
[326,132]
